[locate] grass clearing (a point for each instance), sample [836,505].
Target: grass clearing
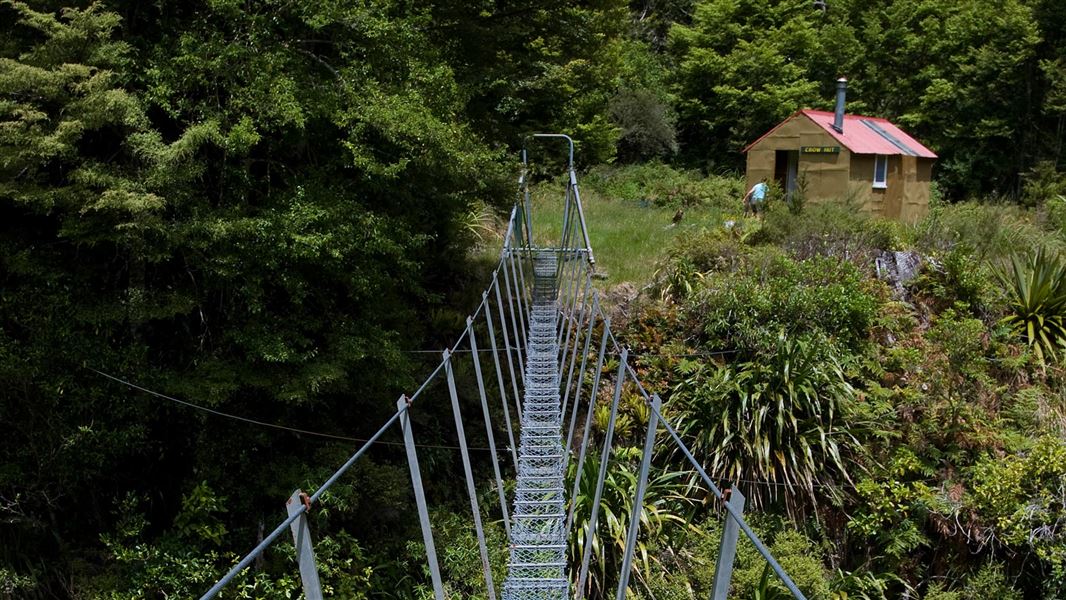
[629,237]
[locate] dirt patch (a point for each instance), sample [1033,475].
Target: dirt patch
[618,301]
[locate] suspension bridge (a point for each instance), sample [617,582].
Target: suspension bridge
[539,316]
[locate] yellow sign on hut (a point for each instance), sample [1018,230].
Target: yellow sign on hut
[836,156]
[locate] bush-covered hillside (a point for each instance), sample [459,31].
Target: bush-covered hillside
[901,439]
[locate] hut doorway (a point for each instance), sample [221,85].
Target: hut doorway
[786,168]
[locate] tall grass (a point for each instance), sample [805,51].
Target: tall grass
[631,220]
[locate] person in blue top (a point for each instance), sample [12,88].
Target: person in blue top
[753,200]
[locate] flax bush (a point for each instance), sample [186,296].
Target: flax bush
[780,417]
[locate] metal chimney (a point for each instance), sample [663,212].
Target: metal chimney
[842,92]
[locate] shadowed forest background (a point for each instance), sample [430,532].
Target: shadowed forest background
[272,208]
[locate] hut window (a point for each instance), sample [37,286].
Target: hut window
[880,171]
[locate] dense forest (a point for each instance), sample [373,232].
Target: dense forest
[273,208]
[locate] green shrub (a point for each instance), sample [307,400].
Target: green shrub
[936,591]
[796,553]
[1022,408]
[798,200]
[183,563]
[460,557]
[1020,498]
[986,584]
[669,586]
[986,231]
[835,229]
[989,582]
[1036,410]
[663,185]
[893,504]
[865,585]
[667,499]
[962,240]
[1042,183]
[745,310]
[1055,214]
[693,256]
[957,276]
[13,585]
[951,398]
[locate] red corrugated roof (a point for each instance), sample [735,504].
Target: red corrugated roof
[863,135]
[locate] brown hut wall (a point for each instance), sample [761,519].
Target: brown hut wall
[826,174]
[861,187]
[760,164]
[885,202]
[894,192]
[919,174]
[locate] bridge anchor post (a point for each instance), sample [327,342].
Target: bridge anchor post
[638,498]
[420,497]
[723,570]
[301,539]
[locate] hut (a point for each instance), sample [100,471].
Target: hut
[831,155]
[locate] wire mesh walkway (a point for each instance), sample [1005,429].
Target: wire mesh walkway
[538,543]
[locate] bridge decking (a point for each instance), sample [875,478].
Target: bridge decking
[537,569]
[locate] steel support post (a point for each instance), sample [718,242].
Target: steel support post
[507,345]
[562,282]
[727,551]
[420,498]
[566,227]
[605,458]
[587,433]
[499,380]
[571,353]
[521,321]
[581,216]
[638,499]
[520,209]
[564,295]
[528,205]
[527,301]
[569,324]
[581,372]
[529,219]
[574,285]
[488,425]
[518,277]
[301,540]
[469,472]
[572,257]
[579,272]
[519,350]
[532,274]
